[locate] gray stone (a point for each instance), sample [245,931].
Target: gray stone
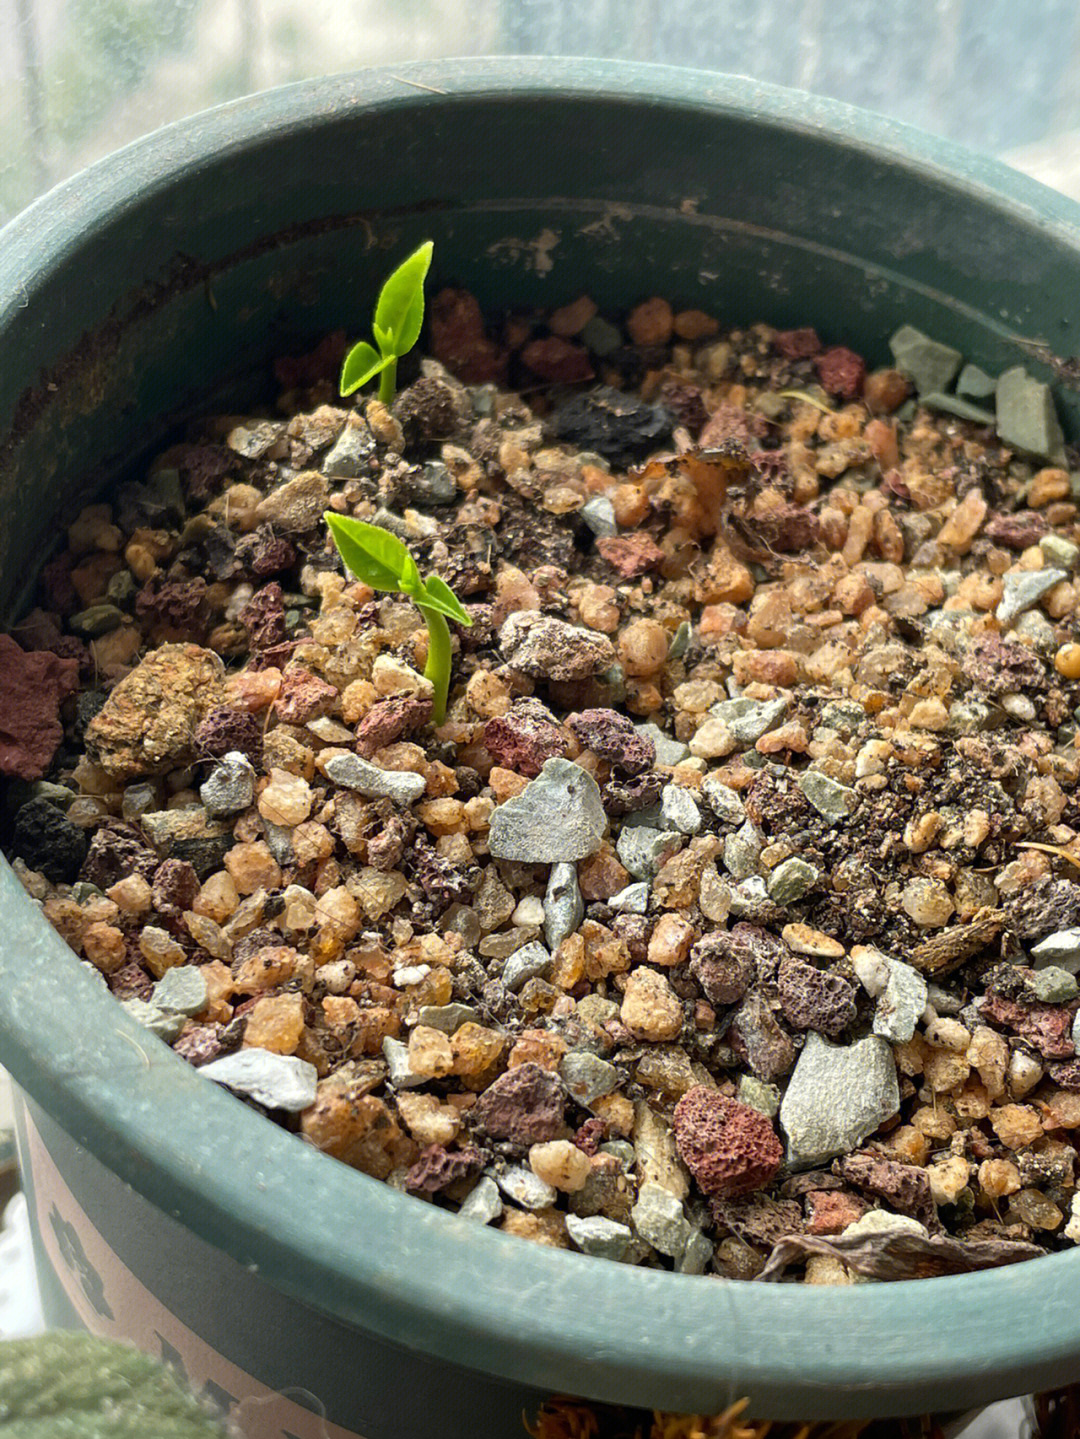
[351,772]
[181,989]
[599,514]
[57,794]
[1061,948]
[548,648]
[659,1218]
[587,1076]
[640,849]
[531,961]
[165,1024]
[790,880]
[758,1095]
[634,899]
[623,1151]
[844,716]
[748,896]
[139,799]
[435,485]
[1076,1032]
[601,336]
[600,1237]
[564,908]
[901,1003]
[483,1203]
[230,785]
[836,1097]
[279,841]
[695,1257]
[679,809]
[680,641]
[296,506]
[557,818]
[975,383]
[96,620]
[669,751]
[1060,551]
[447,1017]
[276,1081]
[930,364]
[723,800]
[349,455]
[961,408]
[1024,588]
[742,851]
[969,715]
[399,1074]
[189,834]
[524,1187]
[747,720]
[1026,416]
[1053,985]
[831,799]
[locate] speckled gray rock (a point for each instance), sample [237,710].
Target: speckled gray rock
[831,799]
[790,880]
[930,364]
[669,751]
[483,1203]
[836,1097]
[351,772]
[399,1073]
[742,851]
[531,961]
[600,1237]
[695,1257]
[557,818]
[659,1218]
[599,514]
[640,849]
[230,785]
[587,1076]
[1026,416]
[722,800]
[349,455]
[548,648]
[758,1094]
[969,715]
[1053,985]
[679,810]
[634,899]
[901,1003]
[1061,948]
[181,989]
[748,896]
[447,1017]
[166,1024]
[747,720]
[523,1187]
[564,908]
[276,1081]
[1025,588]
[279,841]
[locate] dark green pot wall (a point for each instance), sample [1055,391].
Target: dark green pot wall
[169,275]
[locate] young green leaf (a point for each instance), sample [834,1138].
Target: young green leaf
[362,364]
[373,554]
[438,596]
[396,311]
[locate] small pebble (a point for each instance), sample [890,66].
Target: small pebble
[563,907]
[276,1081]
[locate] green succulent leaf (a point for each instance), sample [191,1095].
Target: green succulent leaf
[362,364]
[400,311]
[374,555]
[438,596]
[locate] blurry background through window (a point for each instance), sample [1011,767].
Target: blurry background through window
[79,78]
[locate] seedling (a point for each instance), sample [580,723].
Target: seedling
[382,561]
[399,315]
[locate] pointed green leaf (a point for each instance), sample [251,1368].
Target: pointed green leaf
[414,320]
[362,364]
[396,309]
[438,596]
[373,554]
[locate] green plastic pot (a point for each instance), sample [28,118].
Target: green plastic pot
[163,280]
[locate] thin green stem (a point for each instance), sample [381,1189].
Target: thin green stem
[388,383]
[437,669]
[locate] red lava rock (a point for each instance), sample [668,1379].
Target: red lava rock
[627,796]
[786,528]
[303,697]
[812,998]
[523,738]
[179,605]
[526,1105]
[264,617]
[117,850]
[294,372]
[841,372]
[1047,1028]
[797,344]
[1019,531]
[560,361]
[200,1044]
[635,931]
[224,730]
[264,553]
[591,1135]
[34,684]
[729,422]
[1067,1074]
[386,846]
[273,657]
[757,1218]
[999,666]
[388,719]
[728,1147]
[724,971]
[438,1167]
[904,1186]
[130,981]
[457,338]
[630,555]
[830,1211]
[56,581]
[685,402]
[175,886]
[757,1039]
[613,737]
[205,468]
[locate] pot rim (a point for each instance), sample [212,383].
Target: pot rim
[419,1276]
